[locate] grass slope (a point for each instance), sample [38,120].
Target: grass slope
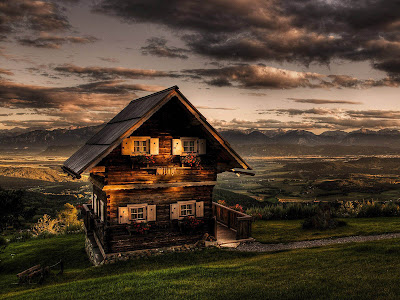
[284,231]
[354,271]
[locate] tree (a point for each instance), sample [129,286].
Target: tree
[11,207]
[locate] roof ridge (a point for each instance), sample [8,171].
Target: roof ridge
[175,87]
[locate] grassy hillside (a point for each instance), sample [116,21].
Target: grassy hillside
[354,271]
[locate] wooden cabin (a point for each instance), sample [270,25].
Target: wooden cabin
[153,168]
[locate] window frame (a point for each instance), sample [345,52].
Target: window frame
[140,139]
[137,206]
[195,147]
[182,203]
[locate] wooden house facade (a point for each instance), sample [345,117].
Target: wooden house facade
[153,168]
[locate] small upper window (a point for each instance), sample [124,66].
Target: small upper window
[140,146]
[189,146]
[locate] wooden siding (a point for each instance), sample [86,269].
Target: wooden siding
[160,197]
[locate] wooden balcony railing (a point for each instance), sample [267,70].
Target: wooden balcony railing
[233,219]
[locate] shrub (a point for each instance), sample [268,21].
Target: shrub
[3,243]
[46,226]
[322,220]
[21,236]
[68,219]
[289,211]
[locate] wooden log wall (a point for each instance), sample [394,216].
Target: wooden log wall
[160,197]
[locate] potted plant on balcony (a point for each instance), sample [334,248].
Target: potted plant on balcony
[190,224]
[138,228]
[191,160]
[143,160]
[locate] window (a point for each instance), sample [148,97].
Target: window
[187,210]
[137,213]
[188,146]
[140,146]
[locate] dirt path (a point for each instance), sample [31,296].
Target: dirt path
[259,247]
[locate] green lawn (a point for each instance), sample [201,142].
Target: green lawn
[283,231]
[353,271]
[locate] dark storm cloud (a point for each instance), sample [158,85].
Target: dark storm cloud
[55,41]
[38,21]
[323,101]
[302,31]
[84,104]
[264,77]
[158,47]
[35,15]
[104,73]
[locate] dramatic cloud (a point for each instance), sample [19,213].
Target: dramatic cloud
[109,59]
[296,112]
[323,101]
[38,21]
[54,41]
[217,108]
[260,76]
[263,124]
[6,72]
[85,104]
[36,15]
[158,47]
[104,73]
[302,31]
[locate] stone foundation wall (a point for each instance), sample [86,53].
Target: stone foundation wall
[122,256]
[96,258]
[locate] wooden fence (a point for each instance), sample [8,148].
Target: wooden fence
[233,219]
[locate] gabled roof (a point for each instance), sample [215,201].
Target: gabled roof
[126,122]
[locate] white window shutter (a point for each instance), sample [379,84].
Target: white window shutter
[126,147]
[174,211]
[154,146]
[102,211]
[95,204]
[200,209]
[201,146]
[152,213]
[176,147]
[123,215]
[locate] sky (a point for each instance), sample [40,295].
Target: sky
[316,65]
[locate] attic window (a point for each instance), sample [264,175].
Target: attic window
[140,147]
[189,146]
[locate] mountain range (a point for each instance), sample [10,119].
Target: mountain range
[42,139]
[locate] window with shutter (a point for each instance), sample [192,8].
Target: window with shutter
[189,145]
[140,145]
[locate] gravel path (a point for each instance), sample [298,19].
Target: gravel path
[259,247]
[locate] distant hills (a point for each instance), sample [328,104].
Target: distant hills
[66,141]
[362,137]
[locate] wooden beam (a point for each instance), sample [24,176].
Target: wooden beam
[117,187]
